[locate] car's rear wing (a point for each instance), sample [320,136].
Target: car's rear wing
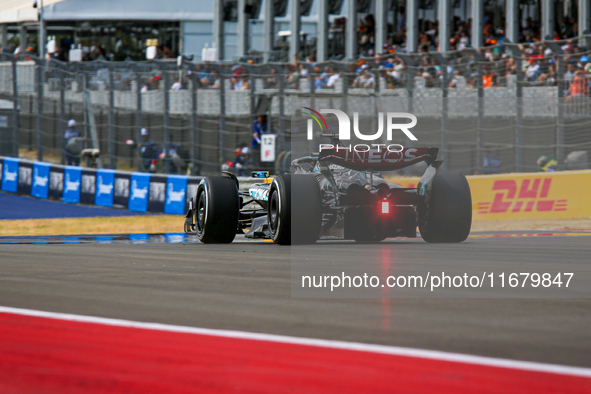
[377,159]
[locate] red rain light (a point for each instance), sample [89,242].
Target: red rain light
[385,207]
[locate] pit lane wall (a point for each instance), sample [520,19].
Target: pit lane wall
[136,191]
[554,195]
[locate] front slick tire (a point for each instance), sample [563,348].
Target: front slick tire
[217,209]
[447,217]
[294,209]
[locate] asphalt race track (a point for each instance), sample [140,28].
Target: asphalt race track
[246,286]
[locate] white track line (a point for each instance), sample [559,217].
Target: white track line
[363,347]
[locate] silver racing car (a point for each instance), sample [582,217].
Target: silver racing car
[338,193]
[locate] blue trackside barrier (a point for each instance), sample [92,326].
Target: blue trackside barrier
[105,185]
[10,174]
[40,188]
[71,186]
[136,191]
[176,191]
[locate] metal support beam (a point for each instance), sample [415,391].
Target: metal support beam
[411,70]
[444,24]
[42,40]
[412,25]
[111,146]
[62,110]
[138,114]
[22,31]
[480,116]
[512,20]
[167,84]
[40,70]
[269,29]
[477,23]
[351,35]
[195,140]
[242,33]
[517,54]
[444,108]
[15,107]
[218,28]
[381,25]
[562,87]
[584,17]
[295,25]
[548,19]
[4,36]
[322,35]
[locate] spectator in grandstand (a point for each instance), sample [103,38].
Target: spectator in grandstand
[321,79]
[243,162]
[216,80]
[546,164]
[332,78]
[489,79]
[72,144]
[533,70]
[272,80]
[579,86]
[367,33]
[259,127]
[204,75]
[571,68]
[491,163]
[388,78]
[292,80]
[176,156]
[177,85]
[148,151]
[358,82]
[168,53]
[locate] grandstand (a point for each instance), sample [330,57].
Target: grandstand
[512,86]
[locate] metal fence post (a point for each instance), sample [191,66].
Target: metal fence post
[252,100]
[15,108]
[62,122]
[444,110]
[519,107]
[561,104]
[410,76]
[39,70]
[480,118]
[222,129]
[166,167]
[281,77]
[138,117]
[195,138]
[112,161]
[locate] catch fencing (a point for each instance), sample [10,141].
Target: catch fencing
[511,102]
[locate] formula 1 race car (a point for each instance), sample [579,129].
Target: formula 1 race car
[338,193]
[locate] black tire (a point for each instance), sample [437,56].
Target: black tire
[447,217]
[294,209]
[217,207]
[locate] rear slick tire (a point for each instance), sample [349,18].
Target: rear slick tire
[447,217]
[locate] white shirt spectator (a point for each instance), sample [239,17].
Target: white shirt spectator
[176,86]
[532,70]
[332,79]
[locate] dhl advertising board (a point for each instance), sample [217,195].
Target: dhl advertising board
[558,195]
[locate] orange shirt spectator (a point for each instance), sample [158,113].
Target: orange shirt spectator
[579,85]
[489,79]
